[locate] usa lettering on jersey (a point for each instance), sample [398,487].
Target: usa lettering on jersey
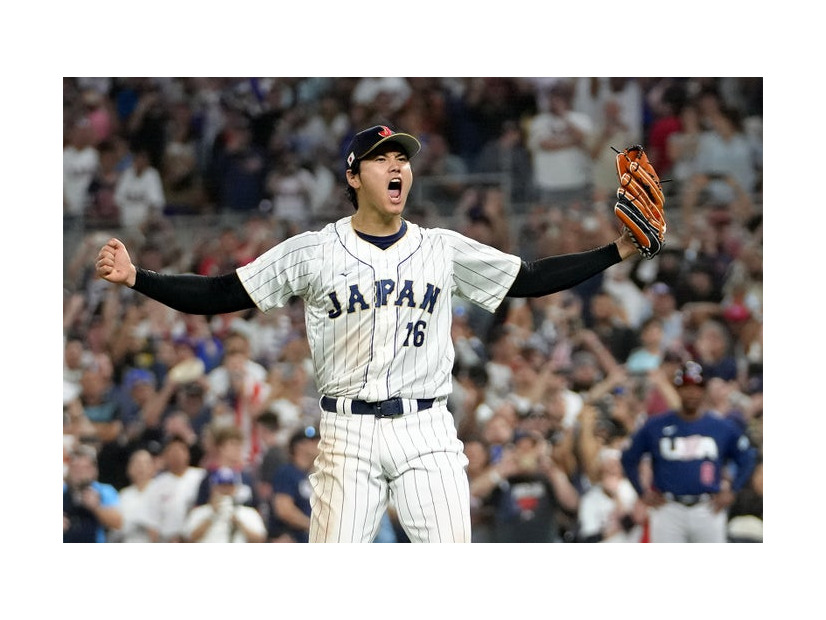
[690,448]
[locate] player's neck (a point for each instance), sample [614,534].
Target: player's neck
[690,415]
[377,224]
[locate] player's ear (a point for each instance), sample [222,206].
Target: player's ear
[353,179]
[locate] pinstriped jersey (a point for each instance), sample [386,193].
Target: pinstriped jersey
[378,321]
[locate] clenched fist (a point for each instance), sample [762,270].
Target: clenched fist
[114,265]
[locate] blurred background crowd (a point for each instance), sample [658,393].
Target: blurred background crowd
[168,412]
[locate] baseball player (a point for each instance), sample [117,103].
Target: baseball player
[698,463]
[377,292]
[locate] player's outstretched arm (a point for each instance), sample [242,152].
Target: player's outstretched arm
[188,293]
[557,273]
[114,265]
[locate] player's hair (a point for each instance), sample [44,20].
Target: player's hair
[351,192]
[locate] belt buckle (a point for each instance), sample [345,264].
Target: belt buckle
[389,408]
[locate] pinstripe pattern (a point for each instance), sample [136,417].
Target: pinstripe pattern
[416,460]
[378,325]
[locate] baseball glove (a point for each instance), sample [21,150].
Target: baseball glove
[640,204]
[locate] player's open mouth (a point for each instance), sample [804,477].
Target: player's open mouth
[394,189]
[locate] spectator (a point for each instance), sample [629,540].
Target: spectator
[666,107]
[102,408]
[221,520]
[139,192]
[508,155]
[197,413]
[726,167]
[102,209]
[137,391]
[238,387]
[76,359]
[178,423]
[180,171]
[631,299]
[483,478]
[290,398]
[682,148]
[229,452]
[590,95]
[99,113]
[368,89]
[488,103]
[663,306]
[91,509]
[174,490]
[238,169]
[436,160]
[557,139]
[660,395]
[326,126]
[272,456]
[138,523]
[724,399]
[649,354]
[146,120]
[610,325]
[712,348]
[290,187]
[527,507]
[697,293]
[221,255]
[611,131]
[80,165]
[291,489]
[607,510]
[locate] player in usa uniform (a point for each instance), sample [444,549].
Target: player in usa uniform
[377,293]
[690,454]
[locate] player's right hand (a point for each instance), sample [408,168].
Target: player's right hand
[114,265]
[653,498]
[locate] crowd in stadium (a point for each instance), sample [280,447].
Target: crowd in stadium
[164,411]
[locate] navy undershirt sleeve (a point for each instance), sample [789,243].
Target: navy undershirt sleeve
[194,294]
[558,273]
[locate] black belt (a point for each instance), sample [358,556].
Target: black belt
[380,409]
[688,500]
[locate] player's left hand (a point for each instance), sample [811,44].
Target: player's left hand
[640,201]
[722,500]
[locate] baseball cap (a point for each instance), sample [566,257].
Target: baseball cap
[364,142]
[307,432]
[138,375]
[736,313]
[222,475]
[689,373]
